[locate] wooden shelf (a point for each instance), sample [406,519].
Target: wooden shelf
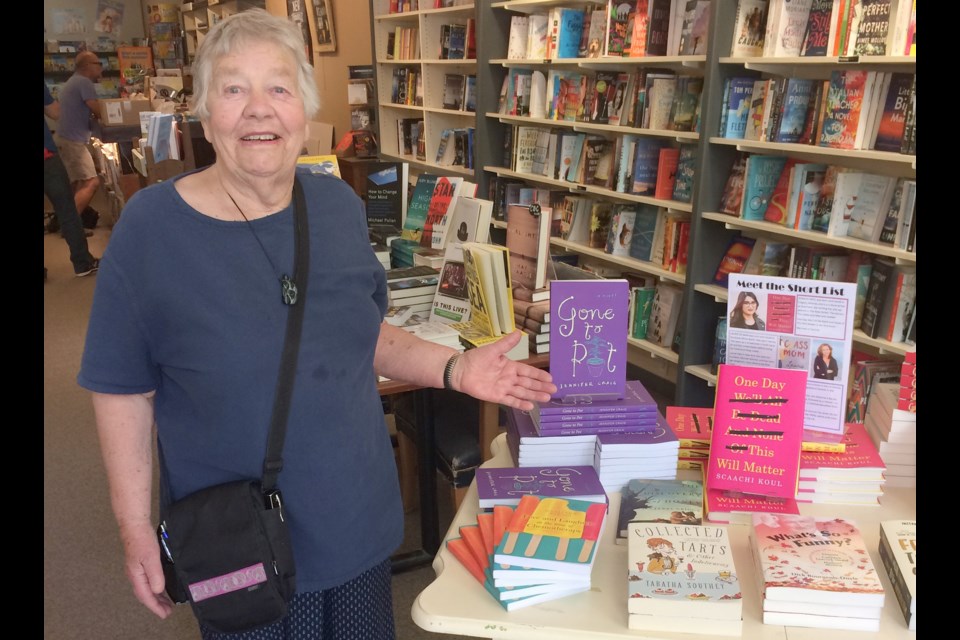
[589,127]
[814,237]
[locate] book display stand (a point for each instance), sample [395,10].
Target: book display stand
[455,603]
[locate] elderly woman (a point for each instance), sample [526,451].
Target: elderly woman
[187,329]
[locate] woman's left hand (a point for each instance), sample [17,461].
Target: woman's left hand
[486,373]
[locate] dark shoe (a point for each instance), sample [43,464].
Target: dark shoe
[94,266]
[86,232]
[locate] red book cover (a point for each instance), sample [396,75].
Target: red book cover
[739,507]
[859,459]
[691,425]
[758,430]
[666,173]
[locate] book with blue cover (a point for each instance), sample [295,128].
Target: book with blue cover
[571,28]
[644,231]
[796,102]
[686,167]
[646,161]
[738,106]
[760,180]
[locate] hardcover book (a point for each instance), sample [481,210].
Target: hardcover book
[442,201]
[843,109]
[692,425]
[417,209]
[682,572]
[858,461]
[738,106]
[508,484]
[470,222]
[816,36]
[758,430]
[588,338]
[528,240]
[760,180]
[748,28]
[663,501]
[820,561]
[898,552]
[737,507]
[686,165]
[893,118]
[558,534]
[387,193]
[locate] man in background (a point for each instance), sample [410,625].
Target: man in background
[79,103]
[56,186]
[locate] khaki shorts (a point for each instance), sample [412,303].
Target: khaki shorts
[76,157]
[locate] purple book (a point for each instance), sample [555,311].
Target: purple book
[507,485]
[520,424]
[662,437]
[636,399]
[588,338]
[638,418]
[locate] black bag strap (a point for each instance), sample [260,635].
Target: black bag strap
[273,462]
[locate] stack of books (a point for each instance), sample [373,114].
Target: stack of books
[621,457]
[529,449]
[412,287]
[815,573]
[635,412]
[542,549]
[894,433]
[655,500]
[898,552]
[854,476]
[681,578]
[421,326]
[382,252]
[693,427]
[531,311]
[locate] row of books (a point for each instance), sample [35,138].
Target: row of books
[404,6]
[644,98]
[403,44]
[621,29]
[460,92]
[825,28]
[655,313]
[456,148]
[829,199]
[629,164]
[854,109]
[458,41]
[411,138]
[406,87]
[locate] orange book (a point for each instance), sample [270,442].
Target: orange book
[777,209]
[461,551]
[471,533]
[666,173]
[485,522]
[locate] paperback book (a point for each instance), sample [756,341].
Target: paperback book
[654,500]
[558,534]
[507,485]
[814,560]
[683,572]
[758,430]
[588,338]
[898,552]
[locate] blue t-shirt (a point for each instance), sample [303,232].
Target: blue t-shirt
[48,143]
[74,112]
[190,306]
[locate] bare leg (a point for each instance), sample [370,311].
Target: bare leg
[83,192]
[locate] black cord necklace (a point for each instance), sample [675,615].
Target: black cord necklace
[288,288]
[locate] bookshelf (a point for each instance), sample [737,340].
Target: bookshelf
[688,369]
[419,31]
[200,15]
[703,301]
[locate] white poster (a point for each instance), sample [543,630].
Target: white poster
[790,323]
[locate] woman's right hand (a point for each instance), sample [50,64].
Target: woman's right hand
[143,568]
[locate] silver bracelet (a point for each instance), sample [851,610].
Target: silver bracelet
[448,372]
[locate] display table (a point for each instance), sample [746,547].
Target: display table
[455,603]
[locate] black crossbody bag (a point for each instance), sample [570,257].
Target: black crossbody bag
[226,549]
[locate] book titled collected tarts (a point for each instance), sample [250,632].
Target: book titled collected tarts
[588,338]
[682,578]
[758,430]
